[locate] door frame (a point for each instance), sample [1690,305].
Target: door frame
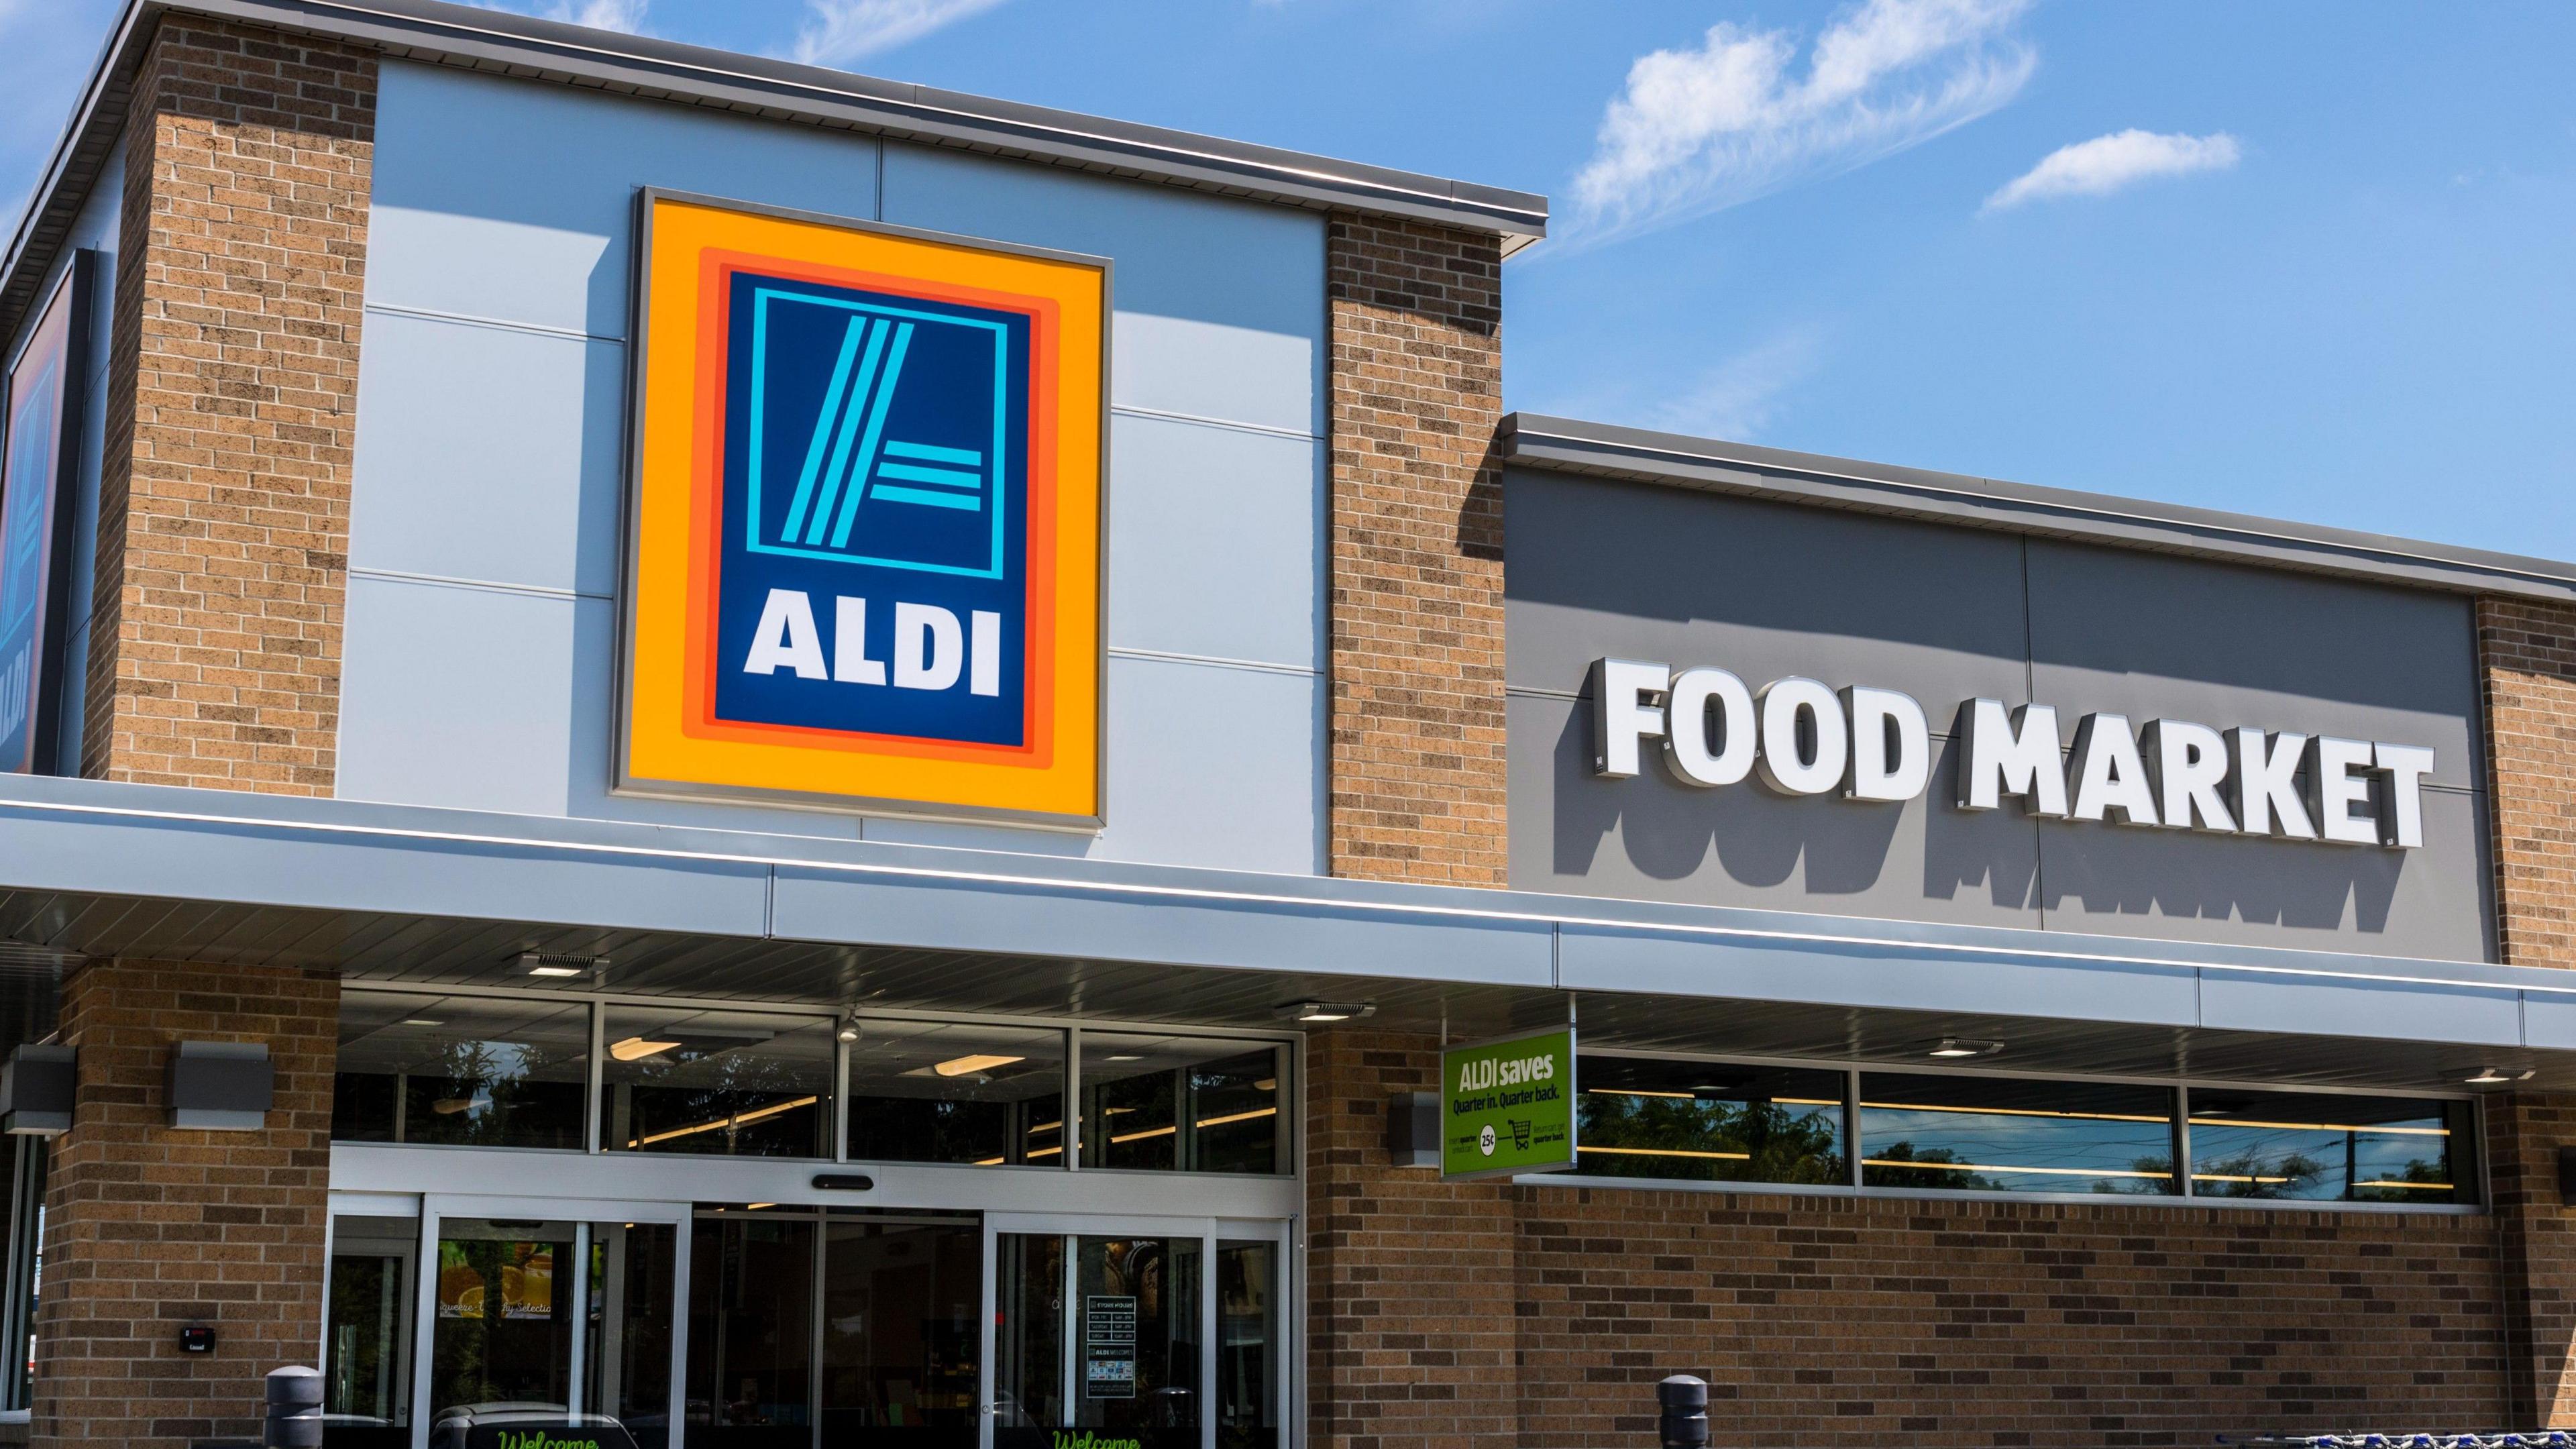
[1280,1233]
[581,1213]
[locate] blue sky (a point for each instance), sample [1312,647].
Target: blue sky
[2305,259]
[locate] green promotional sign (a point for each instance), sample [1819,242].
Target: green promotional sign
[1508,1106]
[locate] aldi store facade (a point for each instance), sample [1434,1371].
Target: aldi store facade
[707,752]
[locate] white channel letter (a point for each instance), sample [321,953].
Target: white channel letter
[1784,764]
[928,647]
[1891,745]
[2265,783]
[984,652]
[2336,784]
[1627,706]
[1692,723]
[2188,764]
[850,661]
[786,635]
[2010,752]
[2402,822]
[2108,773]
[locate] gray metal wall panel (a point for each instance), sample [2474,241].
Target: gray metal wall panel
[2250,1001]
[1847,973]
[2223,645]
[1764,589]
[1208,765]
[489,453]
[1652,838]
[2173,885]
[2549,1020]
[1034,919]
[1214,542]
[496,198]
[1220,303]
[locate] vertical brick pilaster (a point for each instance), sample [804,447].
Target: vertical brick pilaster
[1417,553]
[224,494]
[149,1228]
[2527,662]
[2537,1253]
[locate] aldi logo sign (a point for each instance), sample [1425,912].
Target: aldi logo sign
[865,541]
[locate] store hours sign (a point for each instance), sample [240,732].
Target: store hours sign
[1799,736]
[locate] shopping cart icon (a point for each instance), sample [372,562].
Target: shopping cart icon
[879,430]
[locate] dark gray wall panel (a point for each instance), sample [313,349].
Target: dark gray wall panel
[1652,838]
[2179,886]
[2144,634]
[1595,567]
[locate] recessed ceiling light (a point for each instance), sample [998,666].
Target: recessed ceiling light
[557,964]
[1952,1046]
[960,1066]
[1122,1057]
[421,1021]
[2493,1076]
[636,1048]
[1320,1011]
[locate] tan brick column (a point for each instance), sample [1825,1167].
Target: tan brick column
[1417,553]
[149,1228]
[224,493]
[1412,1339]
[2527,661]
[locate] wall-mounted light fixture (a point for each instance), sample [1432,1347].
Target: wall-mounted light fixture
[36,1090]
[221,1086]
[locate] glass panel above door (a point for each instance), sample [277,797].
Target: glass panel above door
[462,1071]
[735,1083]
[1182,1103]
[932,1091]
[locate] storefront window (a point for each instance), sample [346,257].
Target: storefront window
[1990,1134]
[461,1071]
[1699,1121]
[2321,1147]
[23,1159]
[1181,1103]
[737,1083]
[901,1339]
[927,1091]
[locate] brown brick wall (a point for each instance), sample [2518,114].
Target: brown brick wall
[224,497]
[149,1228]
[1447,1315]
[2527,657]
[2539,1250]
[1417,553]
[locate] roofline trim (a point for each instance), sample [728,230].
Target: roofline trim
[436,32]
[1817,480]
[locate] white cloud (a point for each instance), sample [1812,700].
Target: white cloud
[1697,131]
[625,15]
[2107,163]
[1737,399]
[840,31]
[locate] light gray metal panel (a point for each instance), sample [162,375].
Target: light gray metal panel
[1209,766]
[1214,542]
[1220,303]
[1593,567]
[1318,941]
[2149,635]
[498,198]
[1652,838]
[2549,1020]
[456,696]
[1879,976]
[2175,885]
[488,453]
[2254,1001]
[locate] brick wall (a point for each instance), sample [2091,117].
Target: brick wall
[148,1228]
[1417,553]
[224,495]
[2538,1244]
[2527,657]
[1454,1314]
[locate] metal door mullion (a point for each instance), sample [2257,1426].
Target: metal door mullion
[1067,1327]
[424,1321]
[575,1360]
[1207,1338]
[680,1249]
[814,1313]
[988,1401]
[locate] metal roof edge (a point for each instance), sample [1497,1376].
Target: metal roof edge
[1636,454]
[518,45]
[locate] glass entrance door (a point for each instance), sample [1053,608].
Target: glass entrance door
[548,1318]
[1135,1336]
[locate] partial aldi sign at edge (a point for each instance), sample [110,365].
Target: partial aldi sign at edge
[40,409]
[864,550]
[1507,1106]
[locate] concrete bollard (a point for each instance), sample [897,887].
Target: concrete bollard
[294,1409]
[1683,1418]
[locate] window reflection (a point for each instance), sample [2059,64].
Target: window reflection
[1698,1121]
[737,1083]
[1991,1134]
[2323,1147]
[460,1070]
[928,1091]
[1181,1103]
